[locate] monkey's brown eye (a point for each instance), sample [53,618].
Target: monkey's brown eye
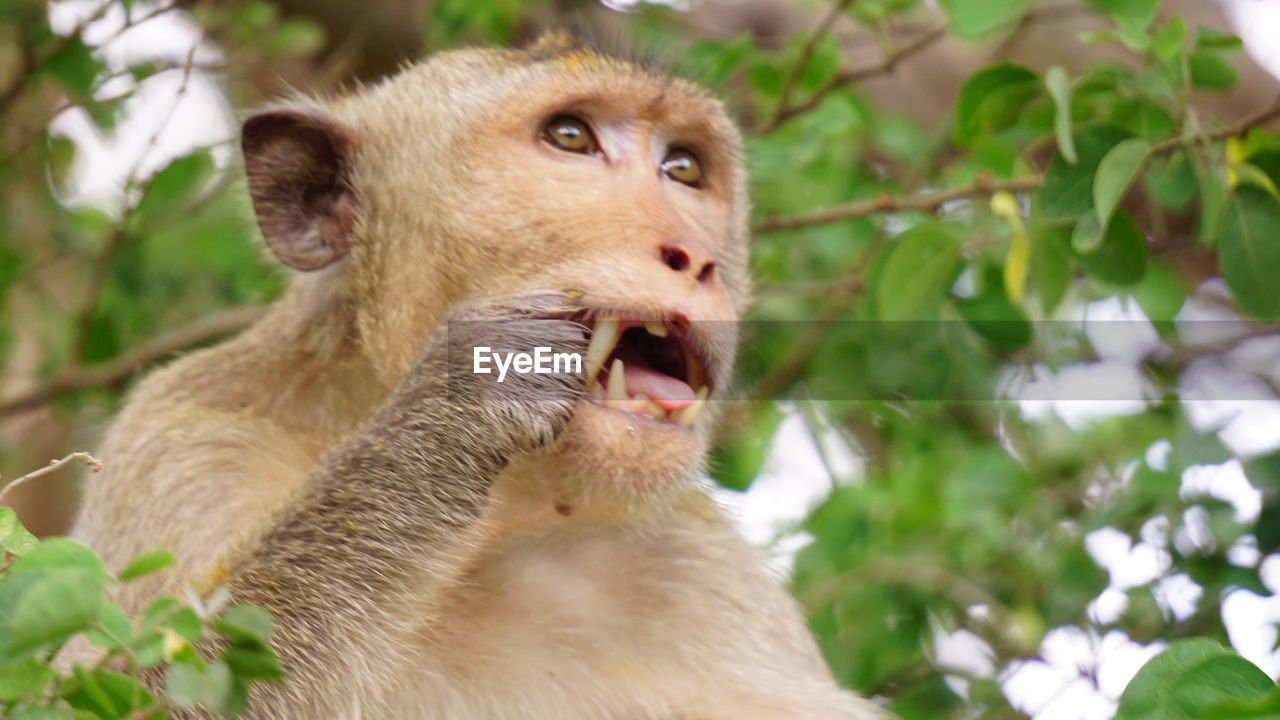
[683,166]
[570,133]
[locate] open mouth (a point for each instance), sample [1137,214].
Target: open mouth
[646,367]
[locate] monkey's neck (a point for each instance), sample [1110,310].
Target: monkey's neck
[301,367]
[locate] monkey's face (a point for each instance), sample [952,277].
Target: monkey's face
[619,185]
[488,174]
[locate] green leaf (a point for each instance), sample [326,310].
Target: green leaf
[23,678]
[975,18]
[14,538]
[1190,675]
[245,622]
[1249,250]
[1059,85]
[918,272]
[1160,294]
[1210,72]
[822,65]
[1087,235]
[109,695]
[173,185]
[186,623]
[1121,257]
[1170,39]
[1172,180]
[56,605]
[113,628]
[153,561]
[992,316]
[184,686]
[59,554]
[41,713]
[992,99]
[1050,266]
[1133,15]
[735,464]
[253,663]
[74,68]
[1068,189]
[1115,173]
[296,36]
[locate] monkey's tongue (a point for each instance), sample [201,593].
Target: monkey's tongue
[666,392]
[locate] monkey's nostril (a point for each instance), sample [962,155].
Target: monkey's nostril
[675,258]
[707,271]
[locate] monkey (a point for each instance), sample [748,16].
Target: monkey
[433,543]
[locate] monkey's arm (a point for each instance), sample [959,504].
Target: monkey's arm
[376,534]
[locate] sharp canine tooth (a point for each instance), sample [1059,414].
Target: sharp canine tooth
[688,415]
[655,328]
[617,390]
[604,338]
[693,371]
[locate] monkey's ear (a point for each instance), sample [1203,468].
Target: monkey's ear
[298,170]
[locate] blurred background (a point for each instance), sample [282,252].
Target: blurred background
[1013,358]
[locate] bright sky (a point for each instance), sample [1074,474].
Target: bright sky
[796,478]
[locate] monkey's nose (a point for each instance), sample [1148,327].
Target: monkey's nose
[687,259]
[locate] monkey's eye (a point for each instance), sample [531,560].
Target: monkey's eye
[570,134]
[682,166]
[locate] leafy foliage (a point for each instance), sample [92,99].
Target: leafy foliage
[56,592]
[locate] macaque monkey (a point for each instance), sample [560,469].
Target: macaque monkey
[432,543]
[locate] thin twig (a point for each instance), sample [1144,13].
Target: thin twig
[94,464]
[886,203]
[102,264]
[885,66]
[806,52]
[983,186]
[198,333]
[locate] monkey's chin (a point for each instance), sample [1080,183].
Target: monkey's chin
[609,455]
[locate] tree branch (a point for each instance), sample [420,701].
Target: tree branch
[886,203]
[847,77]
[94,464]
[984,185]
[806,52]
[198,333]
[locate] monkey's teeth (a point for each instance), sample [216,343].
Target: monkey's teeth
[655,328]
[604,338]
[596,391]
[690,413]
[617,390]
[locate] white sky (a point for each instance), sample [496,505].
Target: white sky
[795,477]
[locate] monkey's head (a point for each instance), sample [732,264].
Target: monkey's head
[496,173]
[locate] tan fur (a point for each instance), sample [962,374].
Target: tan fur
[600,582]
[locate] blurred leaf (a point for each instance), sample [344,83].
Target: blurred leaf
[1068,189]
[1133,15]
[151,562]
[110,695]
[244,622]
[1121,258]
[1116,171]
[23,678]
[992,98]
[975,18]
[1248,252]
[1050,266]
[1170,39]
[917,272]
[174,184]
[735,464]
[296,36]
[1210,72]
[1187,677]
[1059,85]
[56,605]
[1172,180]
[74,68]
[996,319]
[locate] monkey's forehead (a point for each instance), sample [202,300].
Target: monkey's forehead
[474,79]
